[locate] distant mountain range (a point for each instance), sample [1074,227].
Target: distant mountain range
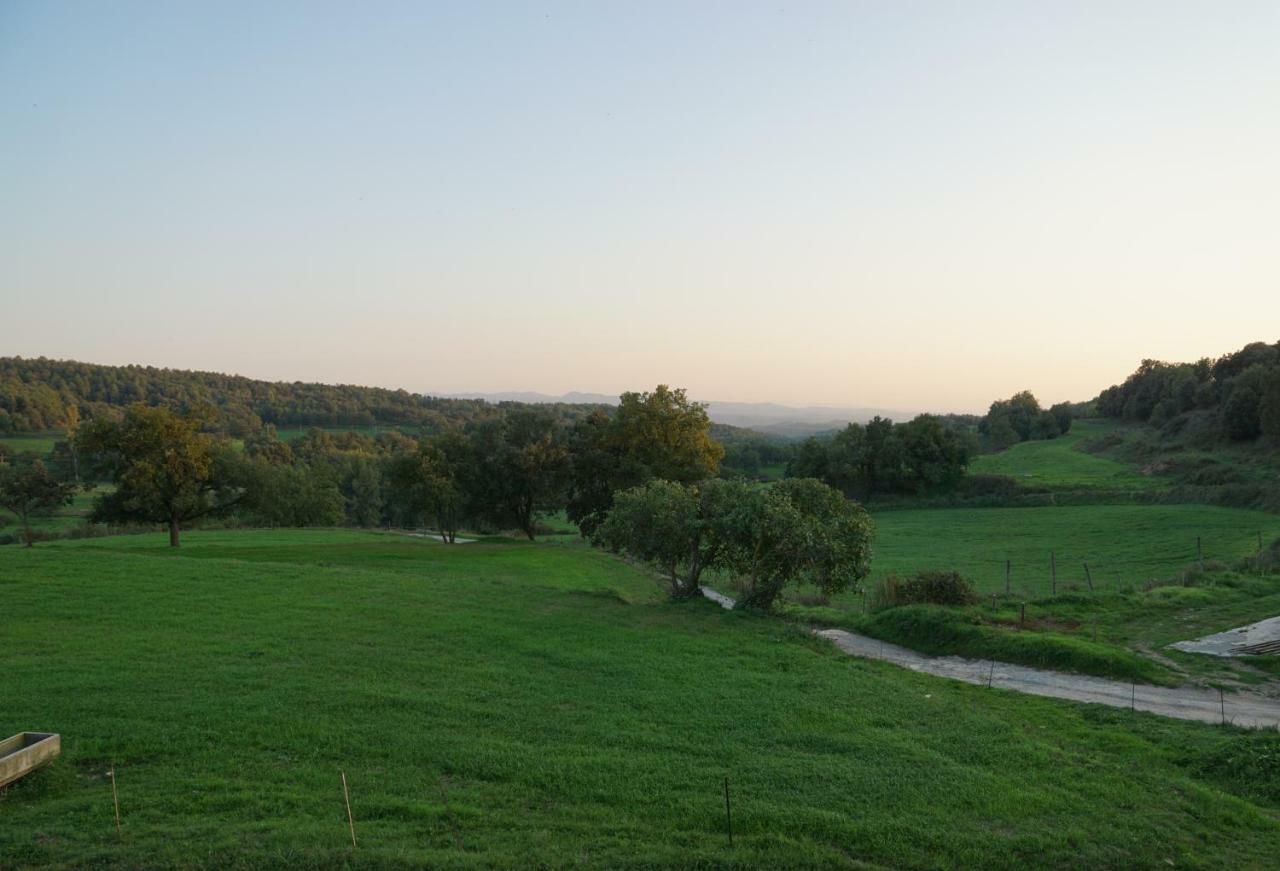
[767,417]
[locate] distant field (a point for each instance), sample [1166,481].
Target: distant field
[292,433]
[518,705]
[40,443]
[1124,544]
[1060,464]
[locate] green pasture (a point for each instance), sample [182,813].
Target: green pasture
[38,443]
[1123,544]
[293,433]
[540,705]
[1061,464]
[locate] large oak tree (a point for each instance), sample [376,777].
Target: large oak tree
[166,470]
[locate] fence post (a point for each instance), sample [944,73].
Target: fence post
[1199,554]
[1088,577]
[1006,568]
[1053,569]
[728,815]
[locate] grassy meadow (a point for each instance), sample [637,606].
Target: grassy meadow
[514,705]
[1061,464]
[38,443]
[1123,544]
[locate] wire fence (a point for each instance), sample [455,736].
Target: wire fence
[1037,573]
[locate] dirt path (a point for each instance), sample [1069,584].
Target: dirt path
[437,537]
[1184,703]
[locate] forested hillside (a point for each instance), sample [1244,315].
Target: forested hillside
[40,394]
[1235,397]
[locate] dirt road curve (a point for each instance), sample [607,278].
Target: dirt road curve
[1184,703]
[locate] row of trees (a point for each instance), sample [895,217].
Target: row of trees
[1020,418]
[642,481]
[1241,391]
[917,457]
[501,472]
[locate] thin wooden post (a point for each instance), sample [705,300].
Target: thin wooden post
[346,796]
[1133,696]
[1088,576]
[991,675]
[728,812]
[993,601]
[1053,568]
[115,797]
[1199,554]
[1222,701]
[1006,576]
[1022,615]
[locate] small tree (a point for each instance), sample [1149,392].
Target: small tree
[797,531]
[29,490]
[426,482]
[658,523]
[165,469]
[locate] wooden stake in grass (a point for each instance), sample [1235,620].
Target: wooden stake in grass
[1053,571]
[1222,701]
[1199,553]
[346,797]
[1022,615]
[115,797]
[991,675]
[1087,576]
[728,813]
[1006,577]
[1133,697]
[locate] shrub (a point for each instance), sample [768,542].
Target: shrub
[923,588]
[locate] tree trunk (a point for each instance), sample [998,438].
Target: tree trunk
[173,532]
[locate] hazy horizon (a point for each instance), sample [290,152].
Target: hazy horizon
[870,204]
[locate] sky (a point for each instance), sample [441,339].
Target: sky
[907,205]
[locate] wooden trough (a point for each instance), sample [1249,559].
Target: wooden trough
[25,752]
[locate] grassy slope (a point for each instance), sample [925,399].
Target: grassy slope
[1059,464]
[574,717]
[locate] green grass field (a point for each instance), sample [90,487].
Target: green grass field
[39,443]
[519,705]
[1123,544]
[293,433]
[1060,464]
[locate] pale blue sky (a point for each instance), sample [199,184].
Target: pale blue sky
[902,204]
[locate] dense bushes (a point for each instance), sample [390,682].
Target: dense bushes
[1020,418]
[927,587]
[918,457]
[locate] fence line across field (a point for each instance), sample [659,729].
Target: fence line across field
[1065,570]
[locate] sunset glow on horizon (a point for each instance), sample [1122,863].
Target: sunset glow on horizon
[907,206]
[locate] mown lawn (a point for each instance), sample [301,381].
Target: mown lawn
[1060,464]
[518,705]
